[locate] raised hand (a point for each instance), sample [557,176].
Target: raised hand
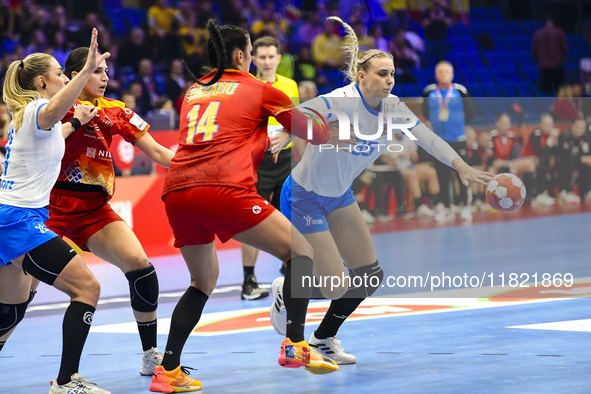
[94,59]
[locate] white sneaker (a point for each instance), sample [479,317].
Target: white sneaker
[76,386]
[439,207]
[278,312]
[543,199]
[456,209]
[466,214]
[425,211]
[385,218]
[368,217]
[331,348]
[569,197]
[151,359]
[444,215]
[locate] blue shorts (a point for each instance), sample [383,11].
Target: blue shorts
[307,210]
[22,230]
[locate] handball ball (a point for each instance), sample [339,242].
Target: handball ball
[505,192]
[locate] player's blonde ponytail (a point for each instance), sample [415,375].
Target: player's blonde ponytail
[351,49]
[19,84]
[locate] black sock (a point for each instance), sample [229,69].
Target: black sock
[248,271]
[433,199]
[418,202]
[77,321]
[338,311]
[296,299]
[148,333]
[2,345]
[185,317]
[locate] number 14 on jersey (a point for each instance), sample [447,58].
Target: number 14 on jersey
[206,124]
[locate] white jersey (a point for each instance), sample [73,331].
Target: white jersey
[32,163]
[330,172]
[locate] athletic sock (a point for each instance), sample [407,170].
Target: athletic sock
[77,321]
[185,317]
[336,315]
[148,331]
[296,299]
[418,202]
[248,271]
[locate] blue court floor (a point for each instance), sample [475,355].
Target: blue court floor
[415,339]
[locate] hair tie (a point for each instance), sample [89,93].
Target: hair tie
[22,65]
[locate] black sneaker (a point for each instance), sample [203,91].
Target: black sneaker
[251,289]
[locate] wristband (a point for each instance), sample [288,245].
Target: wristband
[75,123]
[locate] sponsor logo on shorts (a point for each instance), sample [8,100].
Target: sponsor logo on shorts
[256,209]
[88,318]
[41,228]
[311,221]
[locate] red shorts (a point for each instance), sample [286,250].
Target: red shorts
[198,214]
[78,215]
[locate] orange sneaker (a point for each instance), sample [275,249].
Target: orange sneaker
[299,354]
[175,381]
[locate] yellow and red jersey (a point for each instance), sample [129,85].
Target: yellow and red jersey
[88,157]
[223,132]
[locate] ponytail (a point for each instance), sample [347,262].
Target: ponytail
[222,41]
[19,84]
[351,50]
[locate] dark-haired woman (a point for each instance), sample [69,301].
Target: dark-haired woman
[210,191]
[79,206]
[37,96]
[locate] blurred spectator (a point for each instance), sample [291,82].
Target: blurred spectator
[326,47]
[574,153]
[205,12]
[194,40]
[9,22]
[506,153]
[129,100]
[405,58]
[175,81]
[38,43]
[304,67]
[59,49]
[151,84]
[570,104]
[437,22]
[91,21]
[271,23]
[161,18]
[449,108]
[541,147]
[137,89]
[308,90]
[309,30]
[377,34]
[134,49]
[58,22]
[549,48]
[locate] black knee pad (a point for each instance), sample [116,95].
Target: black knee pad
[12,314]
[143,289]
[365,280]
[47,261]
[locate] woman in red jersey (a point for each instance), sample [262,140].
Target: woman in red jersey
[210,190]
[79,206]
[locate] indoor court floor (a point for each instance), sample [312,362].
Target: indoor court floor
[406,339]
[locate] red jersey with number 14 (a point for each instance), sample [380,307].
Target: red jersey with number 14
[223,132]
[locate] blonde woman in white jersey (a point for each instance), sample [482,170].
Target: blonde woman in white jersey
[38,96]
[317,197]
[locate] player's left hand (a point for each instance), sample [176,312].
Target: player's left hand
[280,141]
[471,175]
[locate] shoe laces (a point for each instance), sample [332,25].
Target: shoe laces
[81,382]
[185,370]
[335,344]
